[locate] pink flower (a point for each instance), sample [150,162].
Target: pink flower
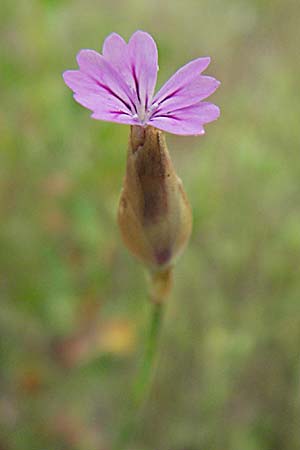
[118,86]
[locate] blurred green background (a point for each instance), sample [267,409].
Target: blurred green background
[73,301]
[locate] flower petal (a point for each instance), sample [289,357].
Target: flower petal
[182,78]
[86,88]
[94,102]
[143,59]
[106,77]
[115,51]
[187,121]
[114,116]
[190,94]
[105,110]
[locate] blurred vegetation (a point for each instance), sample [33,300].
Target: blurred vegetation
[73,303]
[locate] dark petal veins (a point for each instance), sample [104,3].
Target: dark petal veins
[166,115]
[136,83]
[111,92]
[172,94]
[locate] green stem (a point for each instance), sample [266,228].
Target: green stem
[147,367]
[144,378]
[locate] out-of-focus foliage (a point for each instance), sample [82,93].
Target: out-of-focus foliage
[73,302]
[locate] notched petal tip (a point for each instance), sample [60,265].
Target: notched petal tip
[68,76]
[197,65]
[112,35]
[112,44]
[65,75]
[206,60]
[87,57]
[217,83]
[215,112]
[141,34]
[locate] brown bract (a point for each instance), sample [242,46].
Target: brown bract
[154,213]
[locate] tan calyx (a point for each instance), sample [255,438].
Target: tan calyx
[154,214]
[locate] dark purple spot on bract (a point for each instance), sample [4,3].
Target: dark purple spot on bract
[163,256]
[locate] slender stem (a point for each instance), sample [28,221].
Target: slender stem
[147,367]
[144,378]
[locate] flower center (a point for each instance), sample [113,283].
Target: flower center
[143,114]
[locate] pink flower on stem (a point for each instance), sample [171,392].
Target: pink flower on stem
[118,86]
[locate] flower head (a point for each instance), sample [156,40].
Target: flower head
[118,86]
